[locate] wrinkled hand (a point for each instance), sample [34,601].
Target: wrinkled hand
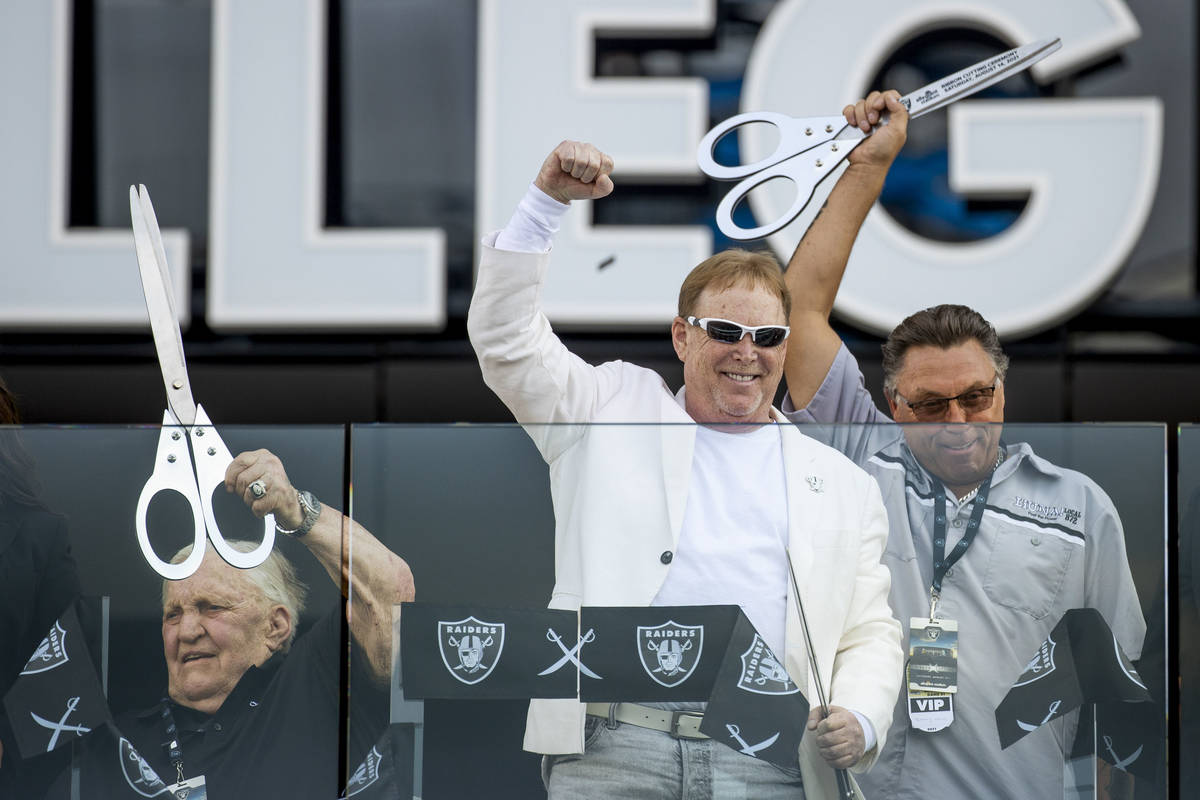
[880,149]
[576,171]
[840,739]
[280,498]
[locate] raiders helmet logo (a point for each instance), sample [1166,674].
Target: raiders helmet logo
[138,774]
[51,653]
[470,647]
[670,652]
[762,673]
[366,774]
[1041,665]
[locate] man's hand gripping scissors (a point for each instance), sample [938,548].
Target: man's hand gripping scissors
[809,149]
[191,458]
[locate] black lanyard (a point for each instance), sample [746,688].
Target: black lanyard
[174,752]
[942,563]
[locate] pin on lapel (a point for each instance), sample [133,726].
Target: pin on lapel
[815,483]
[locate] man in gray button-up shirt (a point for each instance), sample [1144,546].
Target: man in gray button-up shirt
[1048,539]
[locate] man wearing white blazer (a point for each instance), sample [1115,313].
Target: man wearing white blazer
[686,514]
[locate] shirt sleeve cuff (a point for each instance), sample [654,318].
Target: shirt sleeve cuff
[533,224]
[868,731]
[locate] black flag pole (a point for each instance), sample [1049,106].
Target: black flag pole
[846,788]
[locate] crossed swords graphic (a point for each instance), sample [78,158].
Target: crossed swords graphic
[1117,761]
[571,655]
[61,725]
[736,733]
[1025,726]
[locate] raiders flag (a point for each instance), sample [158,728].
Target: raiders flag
[58,696]
[653,654]
[755,707]
[470,652]
[1080,662]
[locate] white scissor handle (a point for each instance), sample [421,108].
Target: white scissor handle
[805,171]
[212,459]
[795,136]
[172,472]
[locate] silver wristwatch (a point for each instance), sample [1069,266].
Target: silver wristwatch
[311,507]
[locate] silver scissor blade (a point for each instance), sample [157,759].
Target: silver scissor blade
[157,287]
[979,76]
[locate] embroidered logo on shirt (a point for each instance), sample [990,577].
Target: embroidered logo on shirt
[670,652]
[138,774]
[762,673]
[1047,512]
[470,647]
[51,653]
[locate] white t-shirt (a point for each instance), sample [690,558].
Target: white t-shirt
[732,543]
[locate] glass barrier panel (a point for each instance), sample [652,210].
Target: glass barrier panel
[1189,606]
[88,678]
[1063,526]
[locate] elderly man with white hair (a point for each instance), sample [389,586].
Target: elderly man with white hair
[250,709]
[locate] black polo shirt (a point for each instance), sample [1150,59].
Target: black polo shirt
[276,735]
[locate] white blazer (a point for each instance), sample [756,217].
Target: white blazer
[619,492]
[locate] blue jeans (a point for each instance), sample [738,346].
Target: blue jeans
[626,761]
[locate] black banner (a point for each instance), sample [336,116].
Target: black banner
[58,698]
[1079,662]
[468,652]
[654,654]
[611,655]
[755,707]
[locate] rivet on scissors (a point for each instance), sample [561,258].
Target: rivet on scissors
[212,451]
[175,435]
[178,384]
[171,458]
[818,162]
[833,147]
[829,129]
[199,431]
[808,131]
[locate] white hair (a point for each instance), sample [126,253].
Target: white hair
[275,580]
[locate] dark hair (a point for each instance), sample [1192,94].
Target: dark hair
[943,326]
[17,469]
[731,268]
[9,414]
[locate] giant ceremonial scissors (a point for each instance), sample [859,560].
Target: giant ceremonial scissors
[811,148]
[191,457]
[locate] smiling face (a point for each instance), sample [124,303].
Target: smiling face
[960,454]
[216,625]
[730,382]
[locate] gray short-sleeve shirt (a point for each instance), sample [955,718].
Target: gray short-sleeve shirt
[1049,540]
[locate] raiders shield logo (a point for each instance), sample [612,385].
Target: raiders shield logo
[470,647]
[1041,665]
[366,774]
[51,653]
[138,774]
[762,673]
[670,652]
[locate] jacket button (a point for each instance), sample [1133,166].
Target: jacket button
[666,557]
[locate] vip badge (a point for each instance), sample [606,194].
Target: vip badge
[470,647]
[762,673]
[670,652]
[1041,665]
[138,774]
[51,653]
